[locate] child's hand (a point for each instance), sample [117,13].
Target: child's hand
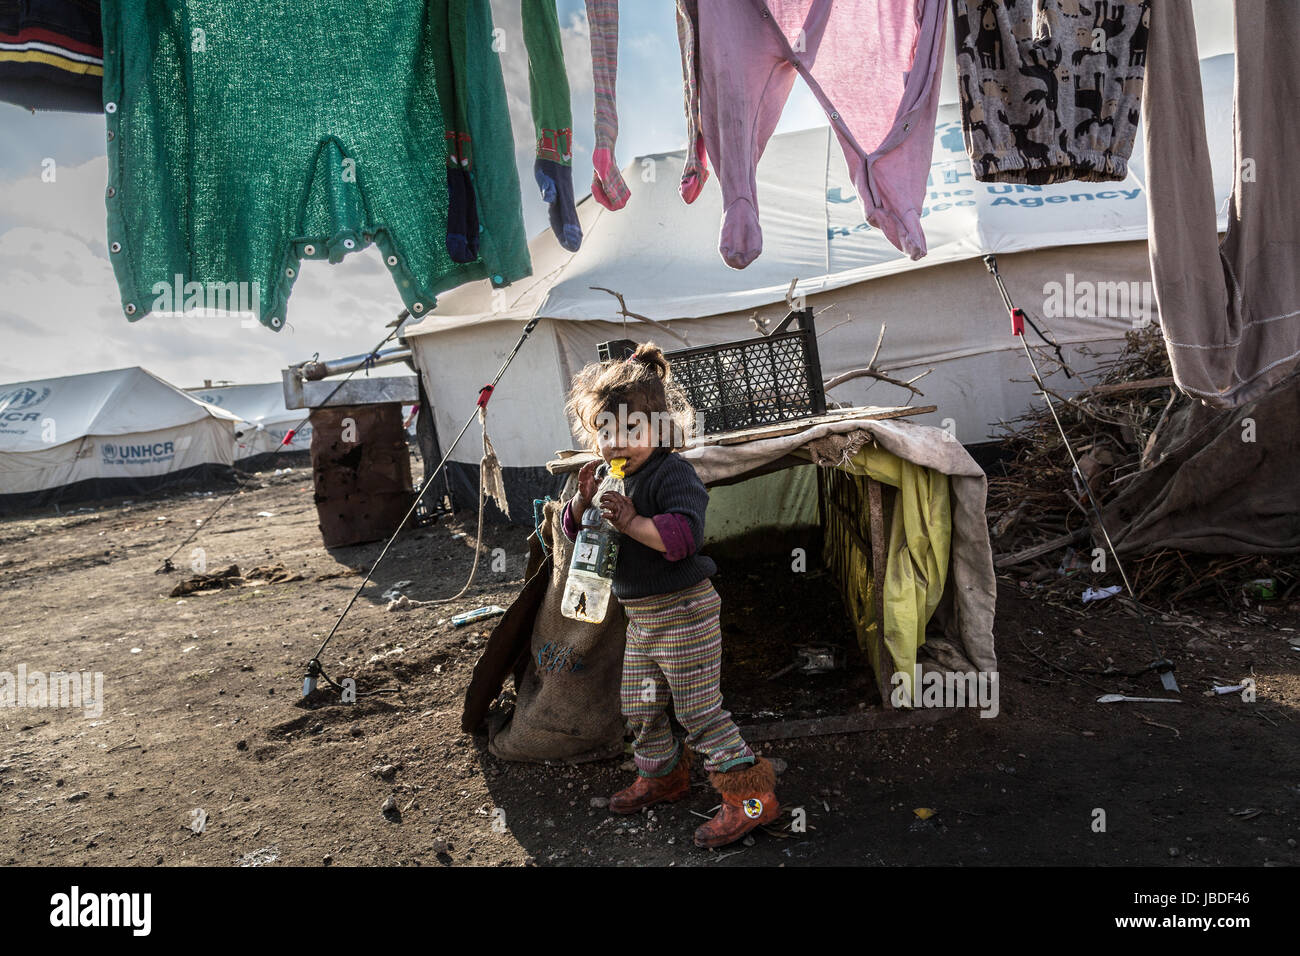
[618,509]
[587,484]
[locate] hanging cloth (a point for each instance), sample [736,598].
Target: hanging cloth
[52,55]
[1230,311]
[548,90]
[873,65]
[1051,90]
[244,138]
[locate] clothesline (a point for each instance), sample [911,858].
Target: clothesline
[1049,90]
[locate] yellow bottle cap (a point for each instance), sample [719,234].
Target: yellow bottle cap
[616,466]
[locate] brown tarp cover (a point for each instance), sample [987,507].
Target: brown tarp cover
[1227,481]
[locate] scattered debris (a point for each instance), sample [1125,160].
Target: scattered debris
[813,659]
[267,854]
[1228,688]
[396,590]
[231,578]
[478,614]
[1036,508]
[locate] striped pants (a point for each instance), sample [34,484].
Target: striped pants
[674,647]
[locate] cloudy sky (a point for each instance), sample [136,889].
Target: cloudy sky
[60,312]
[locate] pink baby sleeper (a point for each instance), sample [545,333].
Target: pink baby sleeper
[874,66]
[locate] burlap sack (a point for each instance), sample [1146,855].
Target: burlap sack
[567,706]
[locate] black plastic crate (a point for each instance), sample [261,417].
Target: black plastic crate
[615,350]
[772,378]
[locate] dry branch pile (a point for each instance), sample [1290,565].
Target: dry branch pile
[1040,521]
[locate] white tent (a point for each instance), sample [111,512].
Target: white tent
[264,419]
[1073,254]
[122,431]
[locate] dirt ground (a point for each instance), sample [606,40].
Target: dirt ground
[201,755]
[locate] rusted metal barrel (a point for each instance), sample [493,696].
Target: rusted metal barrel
[362,471]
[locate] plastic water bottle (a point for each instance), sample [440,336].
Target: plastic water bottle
[613,481]
[595,555]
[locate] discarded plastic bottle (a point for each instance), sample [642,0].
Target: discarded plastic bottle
[595,555]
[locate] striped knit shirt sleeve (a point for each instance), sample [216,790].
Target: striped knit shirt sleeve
[675,531]
[680,493]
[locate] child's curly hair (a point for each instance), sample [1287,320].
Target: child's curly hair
[642,382]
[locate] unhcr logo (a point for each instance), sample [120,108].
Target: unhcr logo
[137,454]
[23,397]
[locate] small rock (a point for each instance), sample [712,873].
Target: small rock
[748,841]
[1174,851]
[387,772]
[600,802]
[442,846]
[79,795]
[242,745]
[355,730]
[389,807]
[778,764]
[327,859]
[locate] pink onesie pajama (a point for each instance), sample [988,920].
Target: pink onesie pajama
[874,65]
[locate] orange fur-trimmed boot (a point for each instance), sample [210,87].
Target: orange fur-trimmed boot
[673,785]
[748,800]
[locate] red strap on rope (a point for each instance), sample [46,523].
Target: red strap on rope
[484,394]
[1017,322]
[288,436]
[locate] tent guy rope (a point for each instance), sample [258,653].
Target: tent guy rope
[1161,665]
[314,669]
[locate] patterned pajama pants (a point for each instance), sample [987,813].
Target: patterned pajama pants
[674,647]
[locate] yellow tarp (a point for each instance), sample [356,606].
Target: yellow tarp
[916,567]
